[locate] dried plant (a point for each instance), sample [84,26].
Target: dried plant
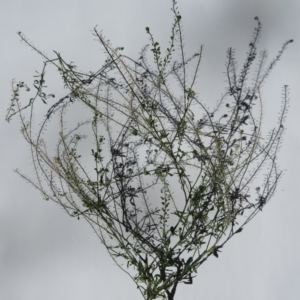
[154,137]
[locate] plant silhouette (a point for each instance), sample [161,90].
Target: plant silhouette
[156,138]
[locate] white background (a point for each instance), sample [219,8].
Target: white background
[44,254]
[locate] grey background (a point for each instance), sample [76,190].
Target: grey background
[46,255]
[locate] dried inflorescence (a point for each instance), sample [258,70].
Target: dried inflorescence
[154,138]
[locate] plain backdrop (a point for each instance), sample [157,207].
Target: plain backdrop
[44,254]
